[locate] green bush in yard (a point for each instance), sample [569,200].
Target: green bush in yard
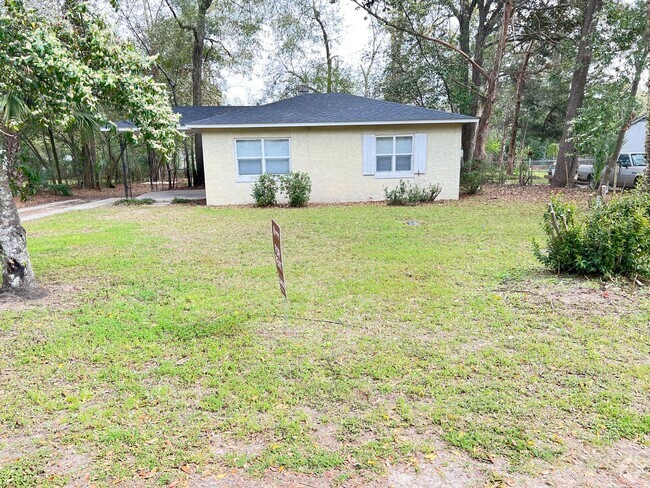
[409,194]
[265,190]
[611,239]
[297,186]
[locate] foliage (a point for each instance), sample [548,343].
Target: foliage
[181,201]
[474,173]
[61,189]
[53,68]
[135,201]
[265,190]
[611,239]
[297,186]
[26,181]
[411,194]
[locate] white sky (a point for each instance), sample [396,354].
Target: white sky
[246,90]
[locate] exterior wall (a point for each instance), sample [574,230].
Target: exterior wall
[332,156]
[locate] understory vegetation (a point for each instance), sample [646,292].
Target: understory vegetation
[411,194]
[607,240]
[167,354]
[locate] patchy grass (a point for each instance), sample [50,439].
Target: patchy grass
[174,357]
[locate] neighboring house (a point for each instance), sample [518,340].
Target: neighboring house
[635,137]
[351,147]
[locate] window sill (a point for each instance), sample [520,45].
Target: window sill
[247,179]
[389,176]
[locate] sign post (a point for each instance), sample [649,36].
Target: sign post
[277,251]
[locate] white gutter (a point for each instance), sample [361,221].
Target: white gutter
[332,124]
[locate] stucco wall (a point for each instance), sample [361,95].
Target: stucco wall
[333,158]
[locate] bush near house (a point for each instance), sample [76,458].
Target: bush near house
[409,194]
[611,239]
[297,186]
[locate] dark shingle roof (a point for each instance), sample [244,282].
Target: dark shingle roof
[191,113]
[323,109]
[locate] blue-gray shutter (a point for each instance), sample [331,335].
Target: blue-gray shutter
[419,153]
[369,155]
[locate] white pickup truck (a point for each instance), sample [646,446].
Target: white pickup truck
[630,171]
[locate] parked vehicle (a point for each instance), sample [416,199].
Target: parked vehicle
[630,171]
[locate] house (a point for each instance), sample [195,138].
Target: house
[351,147]
[634,141]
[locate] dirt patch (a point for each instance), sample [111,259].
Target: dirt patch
[51,296]
[529,194]
[221,447]
[577,296]
[72,465]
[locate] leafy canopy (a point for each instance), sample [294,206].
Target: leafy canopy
[51,68]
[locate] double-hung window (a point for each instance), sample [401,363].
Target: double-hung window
[394,155]
[258,156]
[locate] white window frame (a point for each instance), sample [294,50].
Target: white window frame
[253,178]
[394,173]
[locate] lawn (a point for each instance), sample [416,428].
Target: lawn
[163,354]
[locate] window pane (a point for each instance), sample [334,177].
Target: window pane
[250,166]
[249,149]
[277,166]
[384,145]
[624,159]
[638,159]
[276,147]
[384,163]
[404,145]
[402,163]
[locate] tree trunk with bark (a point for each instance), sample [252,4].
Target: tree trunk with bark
[55,155]
[17,273]
[519,91]
[328,53]
[567,160]
[483,127]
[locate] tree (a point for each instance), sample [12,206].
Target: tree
[305,42]
[52,68]
[211,32]
[567,160]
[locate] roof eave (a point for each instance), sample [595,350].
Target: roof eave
[470,120]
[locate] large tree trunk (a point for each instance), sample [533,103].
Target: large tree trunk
[326,42]
[567,160]
[483,127]
[15,265]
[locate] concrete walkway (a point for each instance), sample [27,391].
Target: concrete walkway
[48,209]
[168,195]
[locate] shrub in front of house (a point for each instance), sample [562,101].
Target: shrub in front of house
[135,201]
[265,190]
[409,194]
[297,186]
[610,239]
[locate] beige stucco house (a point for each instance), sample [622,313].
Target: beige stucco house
[351,147]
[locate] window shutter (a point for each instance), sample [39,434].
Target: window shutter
[420,153]
[369,155]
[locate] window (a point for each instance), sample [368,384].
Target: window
[624,160]
[257,156]
[638,160]
[394,154]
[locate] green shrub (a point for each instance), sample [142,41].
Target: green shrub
[610,239]
[61,190]
[297,186]
[180,201]
[135,201]
[265,190]
[409,194]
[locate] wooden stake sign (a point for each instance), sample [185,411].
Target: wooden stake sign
[277,251]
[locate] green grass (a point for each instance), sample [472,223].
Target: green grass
[177,343]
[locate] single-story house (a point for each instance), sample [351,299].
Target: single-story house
[351,147]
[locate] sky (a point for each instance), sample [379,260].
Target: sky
[246,90]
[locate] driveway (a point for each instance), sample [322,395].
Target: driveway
[168,195]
